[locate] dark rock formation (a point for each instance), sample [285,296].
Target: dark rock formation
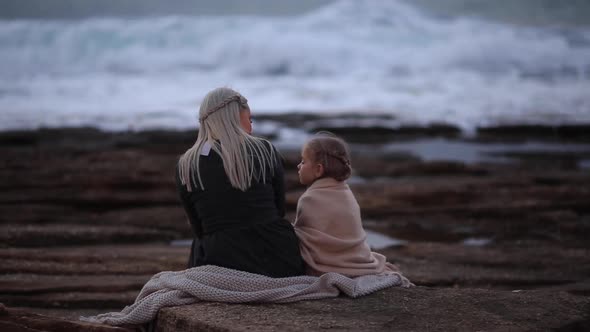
[86,217]
[14,320]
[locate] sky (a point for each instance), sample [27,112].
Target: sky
[67,9]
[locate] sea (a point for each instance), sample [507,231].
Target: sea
[133,65]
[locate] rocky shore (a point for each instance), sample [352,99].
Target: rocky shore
[494,242]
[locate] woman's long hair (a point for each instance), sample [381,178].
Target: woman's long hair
[245,157]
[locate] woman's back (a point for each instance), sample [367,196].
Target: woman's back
[222,206]
[243,230]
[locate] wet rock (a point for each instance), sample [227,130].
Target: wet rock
[501,266]
[23,321]
[432,168]
[547,132]
[85,217]
[29,284]
[66,234]
[138,259]
[356,133]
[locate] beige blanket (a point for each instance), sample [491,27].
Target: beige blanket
[214,283]
[331,234]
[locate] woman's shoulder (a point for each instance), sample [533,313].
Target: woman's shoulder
[267,144]
[257,143]
[272,151]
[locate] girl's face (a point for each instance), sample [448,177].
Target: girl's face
[309,170]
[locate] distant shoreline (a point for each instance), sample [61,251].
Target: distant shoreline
[361,129]
[568,144]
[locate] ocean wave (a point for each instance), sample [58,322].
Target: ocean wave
[387,57]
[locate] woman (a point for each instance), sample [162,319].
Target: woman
[231,186]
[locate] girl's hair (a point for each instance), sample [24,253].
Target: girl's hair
[244,156]
[333,153]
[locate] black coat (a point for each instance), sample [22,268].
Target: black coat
[240,230]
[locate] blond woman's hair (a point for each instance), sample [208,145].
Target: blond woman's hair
[245,157]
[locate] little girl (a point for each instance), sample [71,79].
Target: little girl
[328,221]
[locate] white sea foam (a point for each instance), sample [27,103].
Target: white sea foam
[357,56]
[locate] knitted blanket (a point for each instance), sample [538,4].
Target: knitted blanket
[213,283]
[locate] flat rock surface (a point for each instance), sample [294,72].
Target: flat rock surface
[393,309]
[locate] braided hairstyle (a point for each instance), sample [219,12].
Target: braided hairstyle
[332,153]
